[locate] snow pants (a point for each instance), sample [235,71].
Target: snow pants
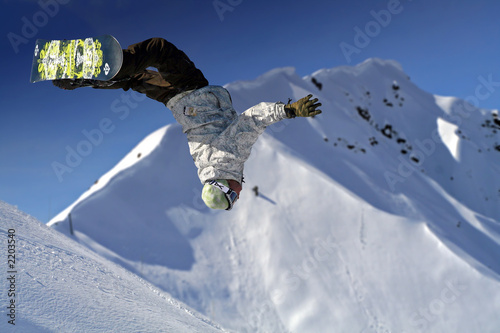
[176,72]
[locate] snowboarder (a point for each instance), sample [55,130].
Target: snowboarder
[219,139]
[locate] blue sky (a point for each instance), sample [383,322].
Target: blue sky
[446,47]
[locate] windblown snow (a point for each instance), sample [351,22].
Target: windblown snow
[380,215]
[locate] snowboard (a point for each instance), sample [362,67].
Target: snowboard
[96,58]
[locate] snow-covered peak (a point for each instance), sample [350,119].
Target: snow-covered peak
[142,150]
[371,64]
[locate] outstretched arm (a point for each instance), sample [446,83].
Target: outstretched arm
[232,147]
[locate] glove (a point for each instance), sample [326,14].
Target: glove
[304,107]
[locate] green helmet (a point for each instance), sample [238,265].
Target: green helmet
[218,195]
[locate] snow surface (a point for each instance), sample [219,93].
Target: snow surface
[62,286]
[380,215]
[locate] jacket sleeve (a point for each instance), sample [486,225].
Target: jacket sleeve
[263,115]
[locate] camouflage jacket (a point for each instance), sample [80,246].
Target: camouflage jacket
[220,140]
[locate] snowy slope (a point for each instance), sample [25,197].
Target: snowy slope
[380,215]
[58,285]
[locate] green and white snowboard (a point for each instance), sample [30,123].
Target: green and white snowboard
[95,58]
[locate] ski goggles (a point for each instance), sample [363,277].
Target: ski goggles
[231,195]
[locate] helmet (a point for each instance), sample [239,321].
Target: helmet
[218,195]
